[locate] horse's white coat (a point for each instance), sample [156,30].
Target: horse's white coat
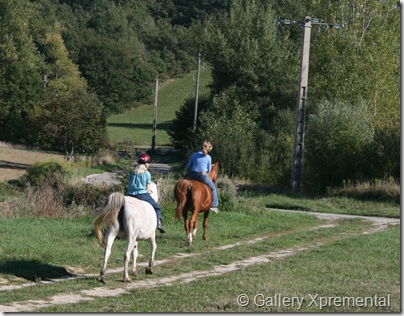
[139,223]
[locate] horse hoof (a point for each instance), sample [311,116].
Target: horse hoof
[134,273]
[101,280]
[127,280]
[205,238]
[149,270]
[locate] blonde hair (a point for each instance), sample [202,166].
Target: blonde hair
[206,147]
[141,168]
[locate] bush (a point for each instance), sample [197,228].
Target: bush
[338,136]
[87,195]
[227,192]
[51,171]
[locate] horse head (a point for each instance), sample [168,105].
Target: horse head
[155,190]
[213,172]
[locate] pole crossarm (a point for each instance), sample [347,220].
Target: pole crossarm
[314,21]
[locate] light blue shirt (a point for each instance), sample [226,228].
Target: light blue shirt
[138,182]
[199,163]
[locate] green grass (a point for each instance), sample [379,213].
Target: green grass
[341,266]
[338,205]
[358,266]
[136,126]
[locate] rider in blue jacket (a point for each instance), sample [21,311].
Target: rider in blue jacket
[198,168]
[138,186]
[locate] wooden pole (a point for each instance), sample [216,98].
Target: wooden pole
[297,160]
[155,116]
[197,91]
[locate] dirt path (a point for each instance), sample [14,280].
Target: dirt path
[101,291]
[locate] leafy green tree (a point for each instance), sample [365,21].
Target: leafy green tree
[244,50]
[361,62]
[69,118]
[118,74]
[181,133]
[20,70]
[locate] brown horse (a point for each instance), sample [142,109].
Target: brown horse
[194,196]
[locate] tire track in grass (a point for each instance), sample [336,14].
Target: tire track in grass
[97,292]
[163,261]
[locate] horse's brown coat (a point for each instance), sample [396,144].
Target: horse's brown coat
[196,197]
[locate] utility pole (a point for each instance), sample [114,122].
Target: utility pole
[300,121]
[197,91]
[156,89]
[298,148]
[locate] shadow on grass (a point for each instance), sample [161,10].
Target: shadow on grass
[161,126]
[257,190]
[288,207]
[33,270]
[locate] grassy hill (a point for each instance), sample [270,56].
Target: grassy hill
[136,126]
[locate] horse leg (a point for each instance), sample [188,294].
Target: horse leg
[195,228]
[131,245]
[205,225]
[187,227]
[135,253]
[153,249]
[111,235]
[193,225]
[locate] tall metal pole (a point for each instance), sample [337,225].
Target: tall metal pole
[298,149]
[197,91]
[155,115]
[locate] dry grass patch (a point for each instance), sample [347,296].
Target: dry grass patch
[14,162]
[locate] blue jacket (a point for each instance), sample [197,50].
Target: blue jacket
[199,163]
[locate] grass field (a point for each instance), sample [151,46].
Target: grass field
[254,253]
[136,126]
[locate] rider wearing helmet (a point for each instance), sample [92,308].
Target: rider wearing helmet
[139,186]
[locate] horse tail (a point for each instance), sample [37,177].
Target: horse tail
[108,214]
[181,192]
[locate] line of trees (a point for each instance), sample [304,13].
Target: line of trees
[65,65]
[353,114]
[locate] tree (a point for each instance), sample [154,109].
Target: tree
[361,61]
[69,118]
[20,70]
[245,50]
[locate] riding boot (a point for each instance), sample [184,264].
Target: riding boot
[160,226]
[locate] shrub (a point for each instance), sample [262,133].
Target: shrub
[338,135]
[227,192]
[87,195]
[47,200]
[104,157]
[51,171]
